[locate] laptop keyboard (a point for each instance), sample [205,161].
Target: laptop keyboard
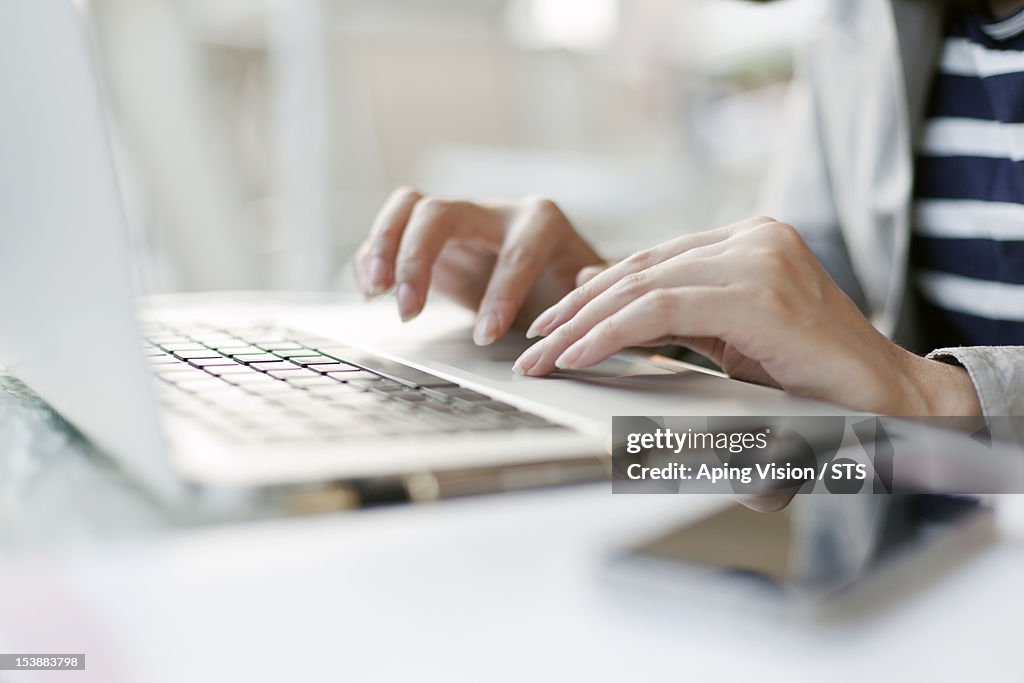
[262,384]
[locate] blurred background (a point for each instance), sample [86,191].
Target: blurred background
[255,139]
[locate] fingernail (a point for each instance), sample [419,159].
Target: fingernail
[528,360]
[571,357]
[540,325]
[378,277]
[486,330]
[408,302]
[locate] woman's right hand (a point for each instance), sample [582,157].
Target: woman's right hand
[506,261]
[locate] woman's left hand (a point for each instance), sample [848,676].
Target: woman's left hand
[753,298]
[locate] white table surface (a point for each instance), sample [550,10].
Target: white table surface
[514,587]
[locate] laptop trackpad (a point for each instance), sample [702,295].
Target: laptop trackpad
[456,349]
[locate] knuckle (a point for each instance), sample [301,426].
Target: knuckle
[505,305]
[660,301]
[411,268]
[787,233]
[658,304]
[381,250]
[641,260]
[383,246]
[543,207]
[778,233]
[432,207]
[580,296]
[406,192]
[752,226]
[566,332]
[610,330]
[762,232]
[634,284]
[433,210]
[516,256]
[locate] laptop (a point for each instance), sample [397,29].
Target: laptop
[228,395]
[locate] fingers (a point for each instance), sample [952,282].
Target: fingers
[431,224]
[734,265]
[679,271]
[682,312]
[524,255]
[575,300]
[375,260]
[411,232]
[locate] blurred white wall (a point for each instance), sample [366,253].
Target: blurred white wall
[257,137]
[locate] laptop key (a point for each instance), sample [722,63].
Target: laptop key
[496,406]
[334,387]
[408,397]
[184,346]
[276,365]
[248,358]
[375,384]
[389,387]
[440,420]
[336,366]
[178,377]
[177,370]
[436,394]
[197,385]
[215,340]
[352,376]
[310,382]
[350,399]
[311,360]
[253,377]
[325,368]
[163,359]
[188,354]
[291,353]
[206,362]
[398,372]
[439,407]
[239,350]
[277,345]
[219,370]
[463,394]
[243,401]
[161,339]
[270,388]
[298,374]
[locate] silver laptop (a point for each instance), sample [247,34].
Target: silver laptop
[239,394]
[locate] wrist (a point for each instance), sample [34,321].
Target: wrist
[939,389]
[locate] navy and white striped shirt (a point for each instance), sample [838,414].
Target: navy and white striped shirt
[968,242]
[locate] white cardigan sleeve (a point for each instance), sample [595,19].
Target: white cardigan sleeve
[797,188]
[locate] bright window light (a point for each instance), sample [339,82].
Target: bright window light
[578,25]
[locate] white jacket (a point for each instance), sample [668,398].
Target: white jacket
[845,175]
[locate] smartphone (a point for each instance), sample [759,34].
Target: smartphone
[820,548]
